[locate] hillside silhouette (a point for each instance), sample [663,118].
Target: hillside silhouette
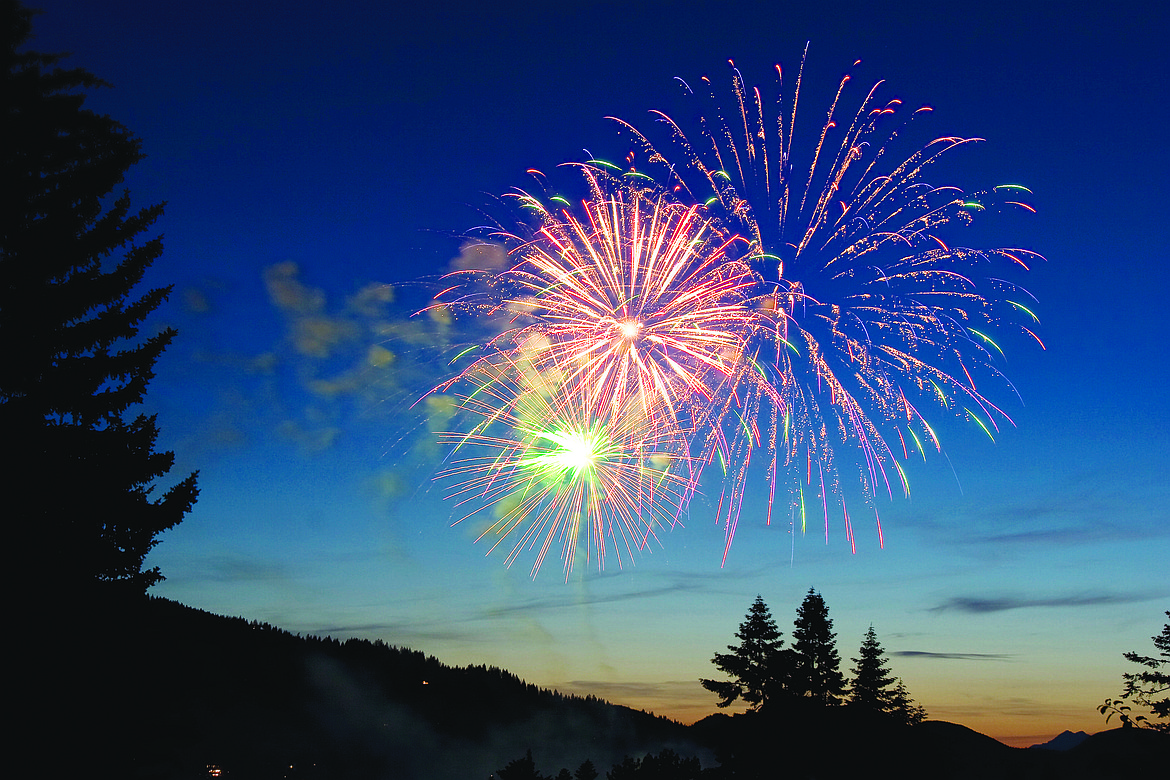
[154,689]
[167,690]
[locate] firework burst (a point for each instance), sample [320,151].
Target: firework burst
[552,468]
[635,309]
[635,298]
[875,314]
[754,307]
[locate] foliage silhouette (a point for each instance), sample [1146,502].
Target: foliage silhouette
[666,765]
[81,476]
[871,682]
[1122,710]
[905,708]
[626,770]
[1145,686]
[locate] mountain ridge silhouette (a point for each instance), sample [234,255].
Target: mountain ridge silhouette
[150,688]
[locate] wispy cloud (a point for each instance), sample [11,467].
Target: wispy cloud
[1090,531]
[951,656]
[231,569]
[1005,705]
[980,606]
[1064,513]
[480,255]
[682,700]
[401,633]
[556,603]
[467,626]
[662,691]
[669,583]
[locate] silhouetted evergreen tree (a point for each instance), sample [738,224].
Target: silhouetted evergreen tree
[816,671]
[874,689]
[904,708]
[586,771]
[668,765]
[521,769]
[870,687]
[626,770]
[1145,686]
[753,664]
[79,480]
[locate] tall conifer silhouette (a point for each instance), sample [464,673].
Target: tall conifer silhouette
[79,487]
[752,664]
[817,672]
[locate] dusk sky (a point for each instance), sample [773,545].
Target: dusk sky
[315,159]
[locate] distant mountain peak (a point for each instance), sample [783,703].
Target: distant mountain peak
[1065,740]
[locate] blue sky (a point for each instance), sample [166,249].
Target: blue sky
[313,159]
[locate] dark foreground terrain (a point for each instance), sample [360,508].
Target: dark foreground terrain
[154,689]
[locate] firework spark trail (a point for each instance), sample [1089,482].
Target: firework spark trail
[870,304]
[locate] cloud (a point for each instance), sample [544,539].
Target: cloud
[681,700]
[575,600]
[951,656]
[467,626]
[677,582]
[230,569]
[402,634]
[371,301]
[196,301]
[1091,531]
[288,293]
[663,690]
[314,331]
[980,606]
[1065,512]
[480,256]
[338,365]
[314,438]
[1013,706]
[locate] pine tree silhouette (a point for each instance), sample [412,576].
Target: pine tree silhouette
[817,672]
[752,664]
[81,475]
[874,689]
